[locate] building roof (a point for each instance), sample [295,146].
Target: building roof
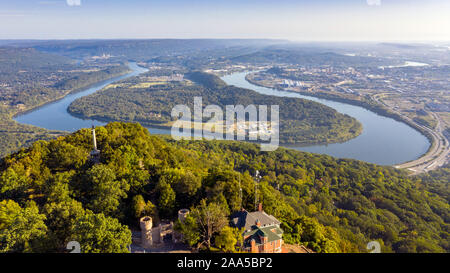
[272,233]
[247,220]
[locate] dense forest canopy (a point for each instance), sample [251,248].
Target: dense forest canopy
[301,121]
[51,193]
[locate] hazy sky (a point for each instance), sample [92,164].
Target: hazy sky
[313,20]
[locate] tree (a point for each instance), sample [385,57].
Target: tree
[187,183]
[61,217]
[224,187]
[14,182]
[325,204]
[189,229]
[211,219]
[98,233]
[166,201]
[64,156]
[106,190]
[57,188]
[310,232]
[228,238]
[21,229]
[141,208]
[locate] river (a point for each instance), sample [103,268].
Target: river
[383,141]
[54,115]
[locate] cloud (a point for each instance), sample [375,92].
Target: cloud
[374,2]
[73,2]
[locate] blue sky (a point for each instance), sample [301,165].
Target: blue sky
[314,20]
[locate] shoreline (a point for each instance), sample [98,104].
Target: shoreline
[377,109]
[163,127]
[77,90]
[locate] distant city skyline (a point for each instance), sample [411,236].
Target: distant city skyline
[295,20]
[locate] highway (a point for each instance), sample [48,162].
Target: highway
[438,154]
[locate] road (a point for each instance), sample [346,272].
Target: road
[439,153]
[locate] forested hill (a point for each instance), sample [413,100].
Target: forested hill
[150,103]
[208,80]
[307,58]
[30,78]
[16,59]
[50,193]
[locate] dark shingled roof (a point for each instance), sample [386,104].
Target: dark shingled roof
[247,220]
[256,233]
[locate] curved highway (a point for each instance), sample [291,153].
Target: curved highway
[439,152]
[436,156]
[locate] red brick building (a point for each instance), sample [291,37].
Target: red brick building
[262,232]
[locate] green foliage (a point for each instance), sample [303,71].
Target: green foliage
[327,204]
[304,57]
[189,229]
[21,229]
[107,191]
[142,208]
[98,233]
[208,80]
[184,181]
[301,121]
[64,156]
[310,232]
[438,181]
[31,78]
[211,219]
[86,79]
[228,238]
[166,201]
[61,218]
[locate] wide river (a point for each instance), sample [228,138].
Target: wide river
[383,141]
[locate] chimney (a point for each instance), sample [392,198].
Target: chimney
[260,207]
[253,247]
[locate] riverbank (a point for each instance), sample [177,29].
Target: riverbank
[381,142]
[379,109]
[15,135]
[312,124]
[69,92]
[384,140]
[169,127]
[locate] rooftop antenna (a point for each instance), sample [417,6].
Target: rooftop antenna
[257,179]
[240,191]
